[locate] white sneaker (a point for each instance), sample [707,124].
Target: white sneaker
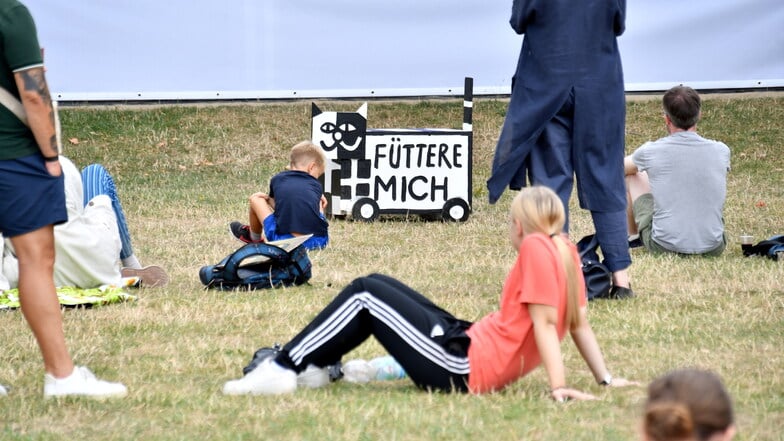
[2,390]
[358,371]
[82,382]
[269,378]
[313,377]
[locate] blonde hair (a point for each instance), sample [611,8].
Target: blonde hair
[305,152]
[540,210]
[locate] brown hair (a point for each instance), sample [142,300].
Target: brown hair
[305,152]
[682,105]
[539,209]
[687,404]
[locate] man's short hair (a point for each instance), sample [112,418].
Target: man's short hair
[306,151]
[682,105]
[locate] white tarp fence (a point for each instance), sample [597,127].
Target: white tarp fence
[118,50]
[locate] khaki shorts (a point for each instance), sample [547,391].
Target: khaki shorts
[643,217]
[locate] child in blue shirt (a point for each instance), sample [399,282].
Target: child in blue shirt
[294,206]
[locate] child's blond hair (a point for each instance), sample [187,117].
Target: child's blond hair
[305,152]
[540,210]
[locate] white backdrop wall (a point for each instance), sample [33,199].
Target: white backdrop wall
[100,50]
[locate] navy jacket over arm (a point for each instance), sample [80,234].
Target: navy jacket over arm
[569,47]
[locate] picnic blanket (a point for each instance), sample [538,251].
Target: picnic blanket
[71,297]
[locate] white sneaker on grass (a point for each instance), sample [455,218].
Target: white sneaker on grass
[269,378]
[81,382]
[313,377]
[2,390]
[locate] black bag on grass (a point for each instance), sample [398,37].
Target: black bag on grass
[257,266]
[598,279]
[770,247]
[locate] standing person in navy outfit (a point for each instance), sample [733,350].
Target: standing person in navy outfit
[566,116]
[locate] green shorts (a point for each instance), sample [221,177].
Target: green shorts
[643,217]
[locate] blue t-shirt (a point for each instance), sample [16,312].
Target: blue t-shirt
[297,201]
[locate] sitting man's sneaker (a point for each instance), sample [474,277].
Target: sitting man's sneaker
[81,382]
[2,390]
[151,276]
[635,241]
[268,378]
[242,232]
[620,292]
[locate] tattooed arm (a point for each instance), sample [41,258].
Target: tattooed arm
[35,97]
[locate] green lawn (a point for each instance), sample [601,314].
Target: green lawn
[184,172]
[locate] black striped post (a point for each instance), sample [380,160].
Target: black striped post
[468,104]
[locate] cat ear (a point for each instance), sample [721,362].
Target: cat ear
[314,109]
[363,110]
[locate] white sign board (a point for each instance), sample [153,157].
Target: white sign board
[371,172]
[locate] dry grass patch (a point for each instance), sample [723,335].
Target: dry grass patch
[184,172]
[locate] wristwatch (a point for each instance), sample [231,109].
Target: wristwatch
[607,380]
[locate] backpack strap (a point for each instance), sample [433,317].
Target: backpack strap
[233,262]
[13,104]
[16,107]
[300,254]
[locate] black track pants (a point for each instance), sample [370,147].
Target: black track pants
[427,341]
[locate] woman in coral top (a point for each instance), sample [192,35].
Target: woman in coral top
[543,297]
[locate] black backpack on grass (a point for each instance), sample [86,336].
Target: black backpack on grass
[598,279]
[770,247]
[258,266]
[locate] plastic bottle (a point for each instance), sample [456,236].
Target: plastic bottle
[378,369]
[387,368]
[358,371]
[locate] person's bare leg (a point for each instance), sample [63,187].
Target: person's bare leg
[630,212]
[259,210]
[636,186]
[253,221]
[621,278]
[38,298]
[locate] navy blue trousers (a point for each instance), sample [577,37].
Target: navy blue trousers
[551,163]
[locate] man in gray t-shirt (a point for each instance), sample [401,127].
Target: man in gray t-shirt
[677,185]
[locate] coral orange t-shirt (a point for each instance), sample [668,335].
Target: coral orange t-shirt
[503,347]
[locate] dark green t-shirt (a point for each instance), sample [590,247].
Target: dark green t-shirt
[19,50]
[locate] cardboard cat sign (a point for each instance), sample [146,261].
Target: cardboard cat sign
[371,172]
